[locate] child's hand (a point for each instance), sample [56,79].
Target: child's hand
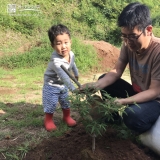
[76,77]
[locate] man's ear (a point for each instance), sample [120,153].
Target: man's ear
[149,30]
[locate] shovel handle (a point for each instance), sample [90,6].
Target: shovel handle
[69,74]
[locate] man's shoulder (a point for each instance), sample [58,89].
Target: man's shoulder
[156,44]
[156,39]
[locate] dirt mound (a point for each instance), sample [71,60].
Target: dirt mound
[107,54]
[77,145]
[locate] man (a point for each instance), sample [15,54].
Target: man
[141,50]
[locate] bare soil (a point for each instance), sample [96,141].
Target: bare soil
[76,143]
[107,55]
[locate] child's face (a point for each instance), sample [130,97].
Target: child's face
[62,44]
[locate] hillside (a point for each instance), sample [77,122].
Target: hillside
[26,25]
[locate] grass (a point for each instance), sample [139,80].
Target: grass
[20,81]
[98,20]
[22,127]
[39,56]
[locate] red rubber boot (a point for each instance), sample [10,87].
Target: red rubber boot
[48,122]
[67,119]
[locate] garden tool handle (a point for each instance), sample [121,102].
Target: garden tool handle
[69,74]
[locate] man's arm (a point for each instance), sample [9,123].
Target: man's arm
[108,79]
[152,93]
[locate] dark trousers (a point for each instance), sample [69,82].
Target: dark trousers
[138,118]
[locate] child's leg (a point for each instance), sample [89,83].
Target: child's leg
[50,99]
[64,102]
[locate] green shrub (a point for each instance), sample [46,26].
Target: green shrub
[86,56]
[94,20]
[156,32]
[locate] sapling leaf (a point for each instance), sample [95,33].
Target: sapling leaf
[137,105]
[94,111]
[131,109]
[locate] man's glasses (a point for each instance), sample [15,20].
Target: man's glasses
[130,37]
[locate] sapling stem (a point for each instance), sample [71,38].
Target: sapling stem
[93,142]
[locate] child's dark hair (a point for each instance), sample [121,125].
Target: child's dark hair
[135,14]
[56,30]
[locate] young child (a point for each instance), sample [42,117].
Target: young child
[56,81]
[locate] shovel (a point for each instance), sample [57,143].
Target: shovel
[73,78]
[94,103]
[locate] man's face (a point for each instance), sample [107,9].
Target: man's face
[135,40]
[62,44]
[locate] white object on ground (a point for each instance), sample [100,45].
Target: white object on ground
[151,138]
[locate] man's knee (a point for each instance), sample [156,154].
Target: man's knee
[134,121]
[131,119]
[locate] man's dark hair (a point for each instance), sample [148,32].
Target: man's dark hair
[135,14]
[56,30]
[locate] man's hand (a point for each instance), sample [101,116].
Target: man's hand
[119,101]
[84,91]
[86,88]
